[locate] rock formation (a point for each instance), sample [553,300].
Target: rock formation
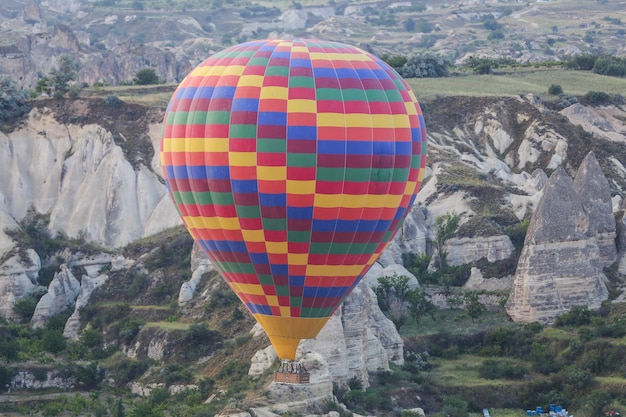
[83,180]
[357,339]
[567,245]
[200,264]
[87,286]
[18,279]
[411,238]
[465,250]
[62,293]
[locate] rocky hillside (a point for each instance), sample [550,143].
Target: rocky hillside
[113,40]
[72,163]
[497,163]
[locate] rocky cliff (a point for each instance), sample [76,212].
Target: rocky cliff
[571,238]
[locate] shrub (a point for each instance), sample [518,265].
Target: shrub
[91,338]
[454,406]
[555,90]
[13,100]
[577,316]
[53,341]
[426,64]
[174,372]
[596,98]
[146,76]
[6,374]
[583,62]
[112,101]
[25,308]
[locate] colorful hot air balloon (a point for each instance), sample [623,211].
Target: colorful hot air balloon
[293,163]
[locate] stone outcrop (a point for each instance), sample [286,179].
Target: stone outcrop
[377,271]
[80,177]
[410,238]
[200,264]
[87,286]
[62,293]
[18,279]
[567,246]
[466,250]
[357,339]
[28,379]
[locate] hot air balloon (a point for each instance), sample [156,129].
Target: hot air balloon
[292,164]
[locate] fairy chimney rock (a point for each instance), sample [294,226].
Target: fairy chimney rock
[570,239]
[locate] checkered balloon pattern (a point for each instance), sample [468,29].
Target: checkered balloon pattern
[293,163]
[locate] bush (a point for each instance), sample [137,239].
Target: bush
[555,90]
[583,62]
[91,338]
[454,406]
[596,98]
[611,66]
[112,101]
[174,372]
[12,99]
[146,76]
[25,308]
[426,64]
[53,341]
[577,316]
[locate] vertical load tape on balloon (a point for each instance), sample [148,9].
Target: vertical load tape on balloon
[293,163]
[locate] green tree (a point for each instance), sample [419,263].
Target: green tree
[91,338]
[454,406]
[12,99]
[596,401]
[53,341]
[426,64]
[145,409]
[419,305]
[6,374]
[60,77]
[473,306]
[392,293]
[25,308]
[119,409]
[445,228]
[146,76]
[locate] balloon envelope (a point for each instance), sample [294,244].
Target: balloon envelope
[293,163]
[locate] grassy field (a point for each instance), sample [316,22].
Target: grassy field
[512,83]
[519,82]
[456,322]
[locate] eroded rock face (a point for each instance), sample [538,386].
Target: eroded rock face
[357,339]
[87,286]
[62,293]
[567,245]
[18,279]
[466,250]
[82,179]
[411,238]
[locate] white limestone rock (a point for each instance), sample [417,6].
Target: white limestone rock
[18,279]
[200,264]
[81,178]
[262,360]
[410,238]
[566,248]
[87,286]
[466,250]
[356,340]
[62,293]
